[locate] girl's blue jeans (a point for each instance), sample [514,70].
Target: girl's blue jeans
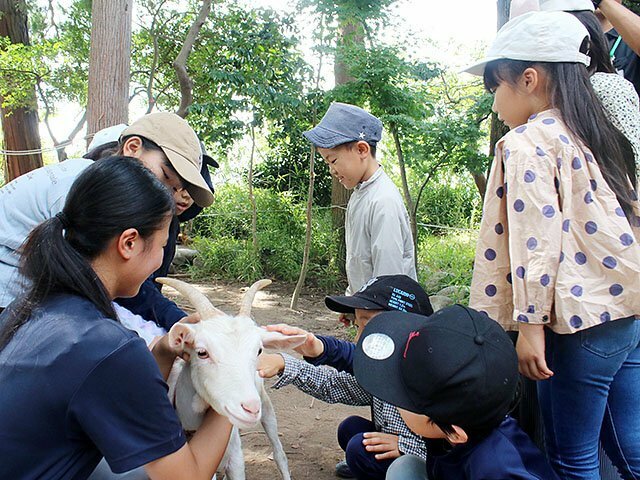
[593,395]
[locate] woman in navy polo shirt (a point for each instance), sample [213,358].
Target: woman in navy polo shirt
[75,385]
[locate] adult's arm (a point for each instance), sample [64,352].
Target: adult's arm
[198,459]
[123,407]
[626,23]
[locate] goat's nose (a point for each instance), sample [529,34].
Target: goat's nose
[252,406]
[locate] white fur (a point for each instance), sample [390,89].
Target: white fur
[227,380]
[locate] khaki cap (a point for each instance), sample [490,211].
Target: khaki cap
[180,144]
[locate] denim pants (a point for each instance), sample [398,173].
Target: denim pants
[363,464]
[593,395]
[103,472]
[407,467]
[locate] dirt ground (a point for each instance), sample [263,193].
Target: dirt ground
[307,426]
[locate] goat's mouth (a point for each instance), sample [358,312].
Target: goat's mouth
[246,420]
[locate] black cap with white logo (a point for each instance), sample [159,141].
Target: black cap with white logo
[386,292]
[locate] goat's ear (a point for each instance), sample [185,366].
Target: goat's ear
[181,336]
[279,341]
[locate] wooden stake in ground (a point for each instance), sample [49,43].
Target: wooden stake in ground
[307,239]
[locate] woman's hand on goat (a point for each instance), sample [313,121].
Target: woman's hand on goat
[270,364]
[384,445]
[312,347]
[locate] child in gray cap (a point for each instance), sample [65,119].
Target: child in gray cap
[377,233]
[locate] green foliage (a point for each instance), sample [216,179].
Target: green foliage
[56,62]
[446,260]
[633,5]
[450,201]
[225,244]
[246,70]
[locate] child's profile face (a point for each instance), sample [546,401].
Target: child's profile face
[362,317]
[347,163]
[421,425]
[155,161]
[510,104]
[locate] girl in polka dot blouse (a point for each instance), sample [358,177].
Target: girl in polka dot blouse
[557,255]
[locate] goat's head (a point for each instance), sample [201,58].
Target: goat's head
[224,353]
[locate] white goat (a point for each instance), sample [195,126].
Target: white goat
[222,372]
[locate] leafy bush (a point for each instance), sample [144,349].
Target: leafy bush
[453,202]
[226,248]
[446,260]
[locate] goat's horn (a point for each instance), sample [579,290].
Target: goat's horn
[199,301]
[247,300]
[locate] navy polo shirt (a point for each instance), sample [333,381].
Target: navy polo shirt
[625,60]
[76,386]
[506,453]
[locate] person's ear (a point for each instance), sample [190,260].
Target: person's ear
[458,437]
[530,79]
[363,148]
[128,243]
[132,147]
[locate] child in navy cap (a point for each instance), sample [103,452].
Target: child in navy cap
[377,232]
[453,377]
[370,446]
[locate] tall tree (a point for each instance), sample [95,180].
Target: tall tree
[498,129]
[350,33]
[180,63]
[109,64]
[19,123]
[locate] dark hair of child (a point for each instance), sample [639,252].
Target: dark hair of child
[599,47]
[109,197]
[570,91]
[350,145]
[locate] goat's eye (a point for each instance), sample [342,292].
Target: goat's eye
[202,353]
[259,351]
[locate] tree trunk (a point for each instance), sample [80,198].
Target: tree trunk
[252,198]
[480,179]
[109,65]
[19,125]
[350,33]
[405,187]
[498,129]
[180,63]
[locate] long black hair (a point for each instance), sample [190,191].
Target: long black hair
[110,196]
[599,47]
[570,91]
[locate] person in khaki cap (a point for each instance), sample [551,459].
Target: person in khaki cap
[171,136]
[163,142]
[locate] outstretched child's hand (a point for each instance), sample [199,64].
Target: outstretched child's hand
[312,347]
[531,352]
[384,444]
[270,364]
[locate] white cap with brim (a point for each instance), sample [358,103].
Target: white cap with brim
[566,5]
[554,37]
[106,135]
[180,144]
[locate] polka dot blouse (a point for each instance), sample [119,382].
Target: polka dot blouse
[555,247]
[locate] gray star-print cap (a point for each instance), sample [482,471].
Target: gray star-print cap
[344,123]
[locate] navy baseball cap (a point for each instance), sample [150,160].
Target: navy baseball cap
[344,123]
[458,366]
[386,292]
